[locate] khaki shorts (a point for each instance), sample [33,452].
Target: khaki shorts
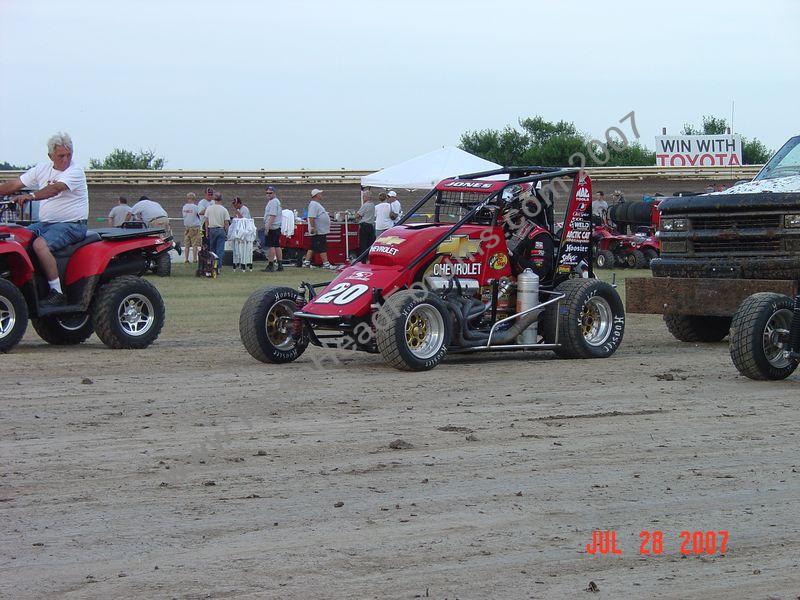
[163,223]
[192,237]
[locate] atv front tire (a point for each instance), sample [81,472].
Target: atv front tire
[128,313]
[590,320]
[162,266]
[755,349]
[64,330]
[697,328]
[413,330]
[649,255]
[266,325]
[13,315]
[604,259]
[636,260]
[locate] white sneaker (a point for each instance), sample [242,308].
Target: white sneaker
[329,266]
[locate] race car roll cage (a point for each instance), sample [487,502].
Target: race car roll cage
[517,176]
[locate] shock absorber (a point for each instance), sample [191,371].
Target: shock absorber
[794,330]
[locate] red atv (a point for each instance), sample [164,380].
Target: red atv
[490,273]
[612,249]
[102,283]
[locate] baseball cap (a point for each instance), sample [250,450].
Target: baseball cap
[209,190]
[315,191]
[392,194]
[270,189]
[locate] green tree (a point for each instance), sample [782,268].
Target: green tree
[125,159]
[551,145]
[754,151]
[5,166]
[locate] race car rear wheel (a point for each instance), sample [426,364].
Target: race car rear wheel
[413,330]
[266,325]
[13,315]
[697,328]
[64,330]
[128,313]
[758,331]
[590,320]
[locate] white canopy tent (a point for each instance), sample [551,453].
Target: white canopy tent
[424,172]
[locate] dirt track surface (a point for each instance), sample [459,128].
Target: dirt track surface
[190,471]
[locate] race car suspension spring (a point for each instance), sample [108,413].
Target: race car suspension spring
[794,329]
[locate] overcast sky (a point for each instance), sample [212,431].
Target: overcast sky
[365,84]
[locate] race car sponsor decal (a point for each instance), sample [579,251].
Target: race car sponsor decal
[459,246]
[360,275]
[342,293]
[390,240]
[384,250]
[498,261]
[447,269]
[577,227]
[473,185]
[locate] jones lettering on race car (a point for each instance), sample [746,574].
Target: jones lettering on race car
[475,185]
[389,240]
[498,261]
[384,250]
[447,269]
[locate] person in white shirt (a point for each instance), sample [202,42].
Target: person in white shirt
[206,201]
[240,211]
[192,238]
[394,204]
[218,219]
[383,215]
[151,213]
[119,214]
[319,226]
[64,209]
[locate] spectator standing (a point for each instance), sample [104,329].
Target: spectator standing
[240,211]
[119,214]
[273,217]
[394,204]
[192,237]
[206,201]
[319,226]
[151,214]
[365,217]
[599,209]
[218,219]
[383,215]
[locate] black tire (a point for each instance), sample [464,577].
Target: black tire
[697,328]
[621,213]
[649,255]
[587,302]
[604,259]
[260,325]
[162,265]
[13,315]
[753,350]
[64,330]
[636,260]
[639,212]
[128,313]
[424,317]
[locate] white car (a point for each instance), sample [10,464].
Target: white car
[780,174]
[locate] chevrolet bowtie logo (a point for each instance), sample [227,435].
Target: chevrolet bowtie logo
[459,246]
[390,240]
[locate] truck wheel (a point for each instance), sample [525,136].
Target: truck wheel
[266,325]
[697,328]
[128,313]
[604,259]
[590,320]
[13,315]
[636,260]
[649,254]
[64,330]
[162,266]
[413,330]
[756,350]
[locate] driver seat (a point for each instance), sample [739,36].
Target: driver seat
[67,251]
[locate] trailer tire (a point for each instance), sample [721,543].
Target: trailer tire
[697,328]
[13,315]
[413,330]
[753,350]
[590,320]
[260,330]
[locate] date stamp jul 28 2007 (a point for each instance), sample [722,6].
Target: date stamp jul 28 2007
[604,542]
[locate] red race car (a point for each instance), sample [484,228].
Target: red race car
[490,273]
[101,280]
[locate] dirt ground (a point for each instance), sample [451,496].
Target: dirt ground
[189,470]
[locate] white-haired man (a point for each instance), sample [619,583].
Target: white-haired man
[61,186]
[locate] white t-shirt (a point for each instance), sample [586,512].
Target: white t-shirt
[322,221]
[273,209]
[396,209]
[147,210]
[203,205]
[382,220]
[70,205]
[216,215]
[245,212]
[118,214]
[190,215]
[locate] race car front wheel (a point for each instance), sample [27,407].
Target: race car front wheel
[413,330]
[590,320]
[13,315]
[266,325]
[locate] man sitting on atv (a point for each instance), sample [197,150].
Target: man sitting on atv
[64,212]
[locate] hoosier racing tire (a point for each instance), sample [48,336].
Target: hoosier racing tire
[413,330]
[264,322]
